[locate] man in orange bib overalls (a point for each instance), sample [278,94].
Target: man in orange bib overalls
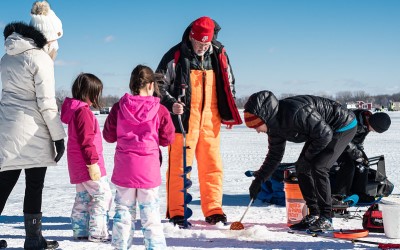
[199,64]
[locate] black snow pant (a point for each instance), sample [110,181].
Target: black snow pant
[314,179]
[34,179]
[350,178]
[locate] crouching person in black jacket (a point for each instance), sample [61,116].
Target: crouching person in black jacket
[323,125]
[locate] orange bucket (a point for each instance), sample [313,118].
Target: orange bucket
[296,207]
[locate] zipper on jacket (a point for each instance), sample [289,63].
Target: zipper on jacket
[203,79]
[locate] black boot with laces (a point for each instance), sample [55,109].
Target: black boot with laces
[305,223]
[322,224]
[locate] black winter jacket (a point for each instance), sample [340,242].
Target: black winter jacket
[302,118]
[356,146]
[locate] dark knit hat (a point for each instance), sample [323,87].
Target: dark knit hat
[380,122]
[203,29]
[252,121]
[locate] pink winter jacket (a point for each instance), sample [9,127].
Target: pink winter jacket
[139,125]
[84,145]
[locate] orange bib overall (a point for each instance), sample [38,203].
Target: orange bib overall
[203,139]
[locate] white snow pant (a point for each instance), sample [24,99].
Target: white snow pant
[89,215]
[125,216]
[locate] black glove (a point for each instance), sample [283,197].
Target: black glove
[60,148]
[255,188]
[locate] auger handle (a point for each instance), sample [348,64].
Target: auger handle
[183,87]
[248,206]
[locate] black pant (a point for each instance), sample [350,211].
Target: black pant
[314,179]
[34,179]
[342,179]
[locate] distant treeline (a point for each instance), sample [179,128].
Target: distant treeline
[106,100]
[342,97]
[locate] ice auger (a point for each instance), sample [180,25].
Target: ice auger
[187,183]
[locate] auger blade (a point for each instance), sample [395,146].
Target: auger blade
[187,185]
[188,213]
[188,198]
[187,169]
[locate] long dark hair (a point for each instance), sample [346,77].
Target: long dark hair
[87,86]
[142,75]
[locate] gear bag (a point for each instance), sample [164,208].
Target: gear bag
[372,219]
[378,184]
[369,178]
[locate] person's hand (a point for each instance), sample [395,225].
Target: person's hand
[362,160]
[94,172]
[255,188]
[358,154]
[228,123]
[177,108]
[60,148]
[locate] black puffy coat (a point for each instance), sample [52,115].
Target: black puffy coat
[356,146]
[298,119]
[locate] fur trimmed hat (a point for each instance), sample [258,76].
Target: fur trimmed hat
[380,122]
[45,20]
[252,121]
[203,29]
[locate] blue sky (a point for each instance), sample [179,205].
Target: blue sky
[286,46]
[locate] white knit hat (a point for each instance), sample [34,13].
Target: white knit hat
[45,20]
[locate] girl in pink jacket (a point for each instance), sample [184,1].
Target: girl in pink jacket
[85,160]
[139,124]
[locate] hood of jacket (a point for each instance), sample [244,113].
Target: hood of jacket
[139,109]
[263,104]
[20,37]
[70,105]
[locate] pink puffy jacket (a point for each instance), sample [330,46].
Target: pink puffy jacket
[139,125]
[84,145]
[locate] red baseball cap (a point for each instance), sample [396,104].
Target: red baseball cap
[203,29]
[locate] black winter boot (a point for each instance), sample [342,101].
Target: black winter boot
[305,223]
[215,218]
[177,220]
[3,244]
[33,229]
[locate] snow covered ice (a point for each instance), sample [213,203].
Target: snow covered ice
[265,225]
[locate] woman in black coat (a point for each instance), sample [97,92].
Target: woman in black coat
[323,125]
